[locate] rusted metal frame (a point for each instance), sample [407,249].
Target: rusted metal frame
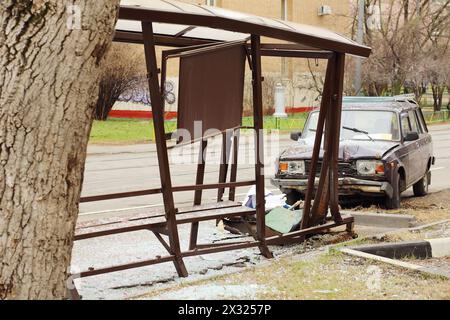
[322,194]
[296,54]
[248,53]
[214,186]
[159,191]
[227,247]
[326,97]
[197,50]
[198,193]
[184,31]
[163,242]
[121,195]
[336,116]
[125,229]
[311,230]
[258,123]
[203,217]
[250,230]
[180,145]
[234,165]
[190,253]
[289,46]
[235,205]
[172,53]
[225,159]
[218,245]
[159,227]
[160,40]
[161,230]
[127,266]
[223,23]
[161,147]
[200,172]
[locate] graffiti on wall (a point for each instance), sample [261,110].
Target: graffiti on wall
[140,93]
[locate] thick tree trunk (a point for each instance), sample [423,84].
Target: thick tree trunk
[49,66]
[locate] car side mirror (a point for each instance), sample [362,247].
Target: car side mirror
[296,135]
[411,136]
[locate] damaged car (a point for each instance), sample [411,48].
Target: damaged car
[384,149]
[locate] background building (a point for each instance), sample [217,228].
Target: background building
[302,80]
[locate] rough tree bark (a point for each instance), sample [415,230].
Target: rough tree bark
[49,66]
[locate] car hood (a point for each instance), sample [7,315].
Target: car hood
[348,149]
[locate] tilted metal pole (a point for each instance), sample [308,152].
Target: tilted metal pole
[161,146]
[259,144]
[324,109]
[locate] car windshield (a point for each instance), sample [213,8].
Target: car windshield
[361,125]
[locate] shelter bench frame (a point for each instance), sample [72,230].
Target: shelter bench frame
[164,225]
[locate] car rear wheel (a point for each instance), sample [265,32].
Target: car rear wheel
[394,201]
[421,187]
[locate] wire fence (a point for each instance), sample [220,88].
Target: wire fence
[436,116]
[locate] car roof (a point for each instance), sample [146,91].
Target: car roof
[397,103]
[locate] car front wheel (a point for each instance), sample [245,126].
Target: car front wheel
[394,201]
[293,197]
[421,187]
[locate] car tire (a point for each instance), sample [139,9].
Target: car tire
[421,187]
[293,197]
[394,202]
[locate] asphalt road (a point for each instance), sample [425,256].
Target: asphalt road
[111,169]
[441,170]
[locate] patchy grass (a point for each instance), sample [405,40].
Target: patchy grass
[125,131]
[121,131]
[331,276]
[131,131]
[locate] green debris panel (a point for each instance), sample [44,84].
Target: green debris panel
[283,220]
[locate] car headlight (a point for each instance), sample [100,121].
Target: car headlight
[370,167]
[292,167]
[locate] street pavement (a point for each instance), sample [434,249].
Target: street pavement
[440,171]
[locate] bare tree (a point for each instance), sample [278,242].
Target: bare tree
[122,71]
[50,55]
[408,37]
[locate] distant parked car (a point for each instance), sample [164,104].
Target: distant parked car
[385,148]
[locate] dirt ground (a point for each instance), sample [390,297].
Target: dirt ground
[326,274]
[318,276]
[433,207]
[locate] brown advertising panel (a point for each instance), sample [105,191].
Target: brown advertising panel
[211,90]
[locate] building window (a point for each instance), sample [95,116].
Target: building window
[211,2]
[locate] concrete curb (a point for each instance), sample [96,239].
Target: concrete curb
[383,220]
[389,252]
[397,263]
[398,250]
[422,249]
[439,247]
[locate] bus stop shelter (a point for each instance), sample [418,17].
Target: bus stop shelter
[213,46]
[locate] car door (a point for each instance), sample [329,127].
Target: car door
[425,143]
[411,157]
